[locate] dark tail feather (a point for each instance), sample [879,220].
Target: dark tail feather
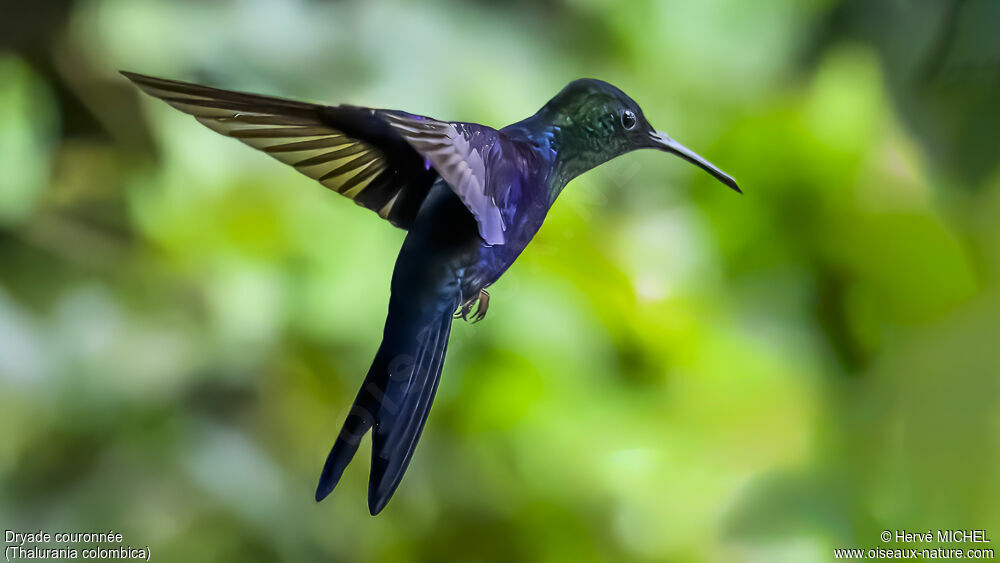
[398,429]
[359,420]
[395,398]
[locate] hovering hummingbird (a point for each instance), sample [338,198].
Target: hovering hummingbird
[471,198]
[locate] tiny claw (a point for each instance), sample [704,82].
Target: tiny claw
[482,305]
[481,302]
[464,310]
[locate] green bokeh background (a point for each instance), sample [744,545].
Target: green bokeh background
[670,372]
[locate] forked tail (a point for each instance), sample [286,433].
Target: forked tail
[394,399]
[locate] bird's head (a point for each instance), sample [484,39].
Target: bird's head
[596,122]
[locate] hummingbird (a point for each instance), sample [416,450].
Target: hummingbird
[470,197]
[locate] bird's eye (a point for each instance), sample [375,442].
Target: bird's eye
[628,119]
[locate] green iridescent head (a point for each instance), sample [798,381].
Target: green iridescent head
[594,122]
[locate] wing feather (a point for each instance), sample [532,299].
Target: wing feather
[384,160]
[449,147]
[301,135]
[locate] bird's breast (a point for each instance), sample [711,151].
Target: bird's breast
[492,261]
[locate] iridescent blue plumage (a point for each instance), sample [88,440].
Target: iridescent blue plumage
[471,197]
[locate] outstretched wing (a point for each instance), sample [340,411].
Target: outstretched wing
[350,150]
[384,160]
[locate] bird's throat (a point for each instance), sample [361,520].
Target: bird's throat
[566,155]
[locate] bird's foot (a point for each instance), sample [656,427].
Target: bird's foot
[464,310]
[481,303]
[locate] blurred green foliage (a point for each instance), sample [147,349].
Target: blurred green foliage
[669,373]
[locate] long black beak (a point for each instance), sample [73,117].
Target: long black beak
[664,142]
